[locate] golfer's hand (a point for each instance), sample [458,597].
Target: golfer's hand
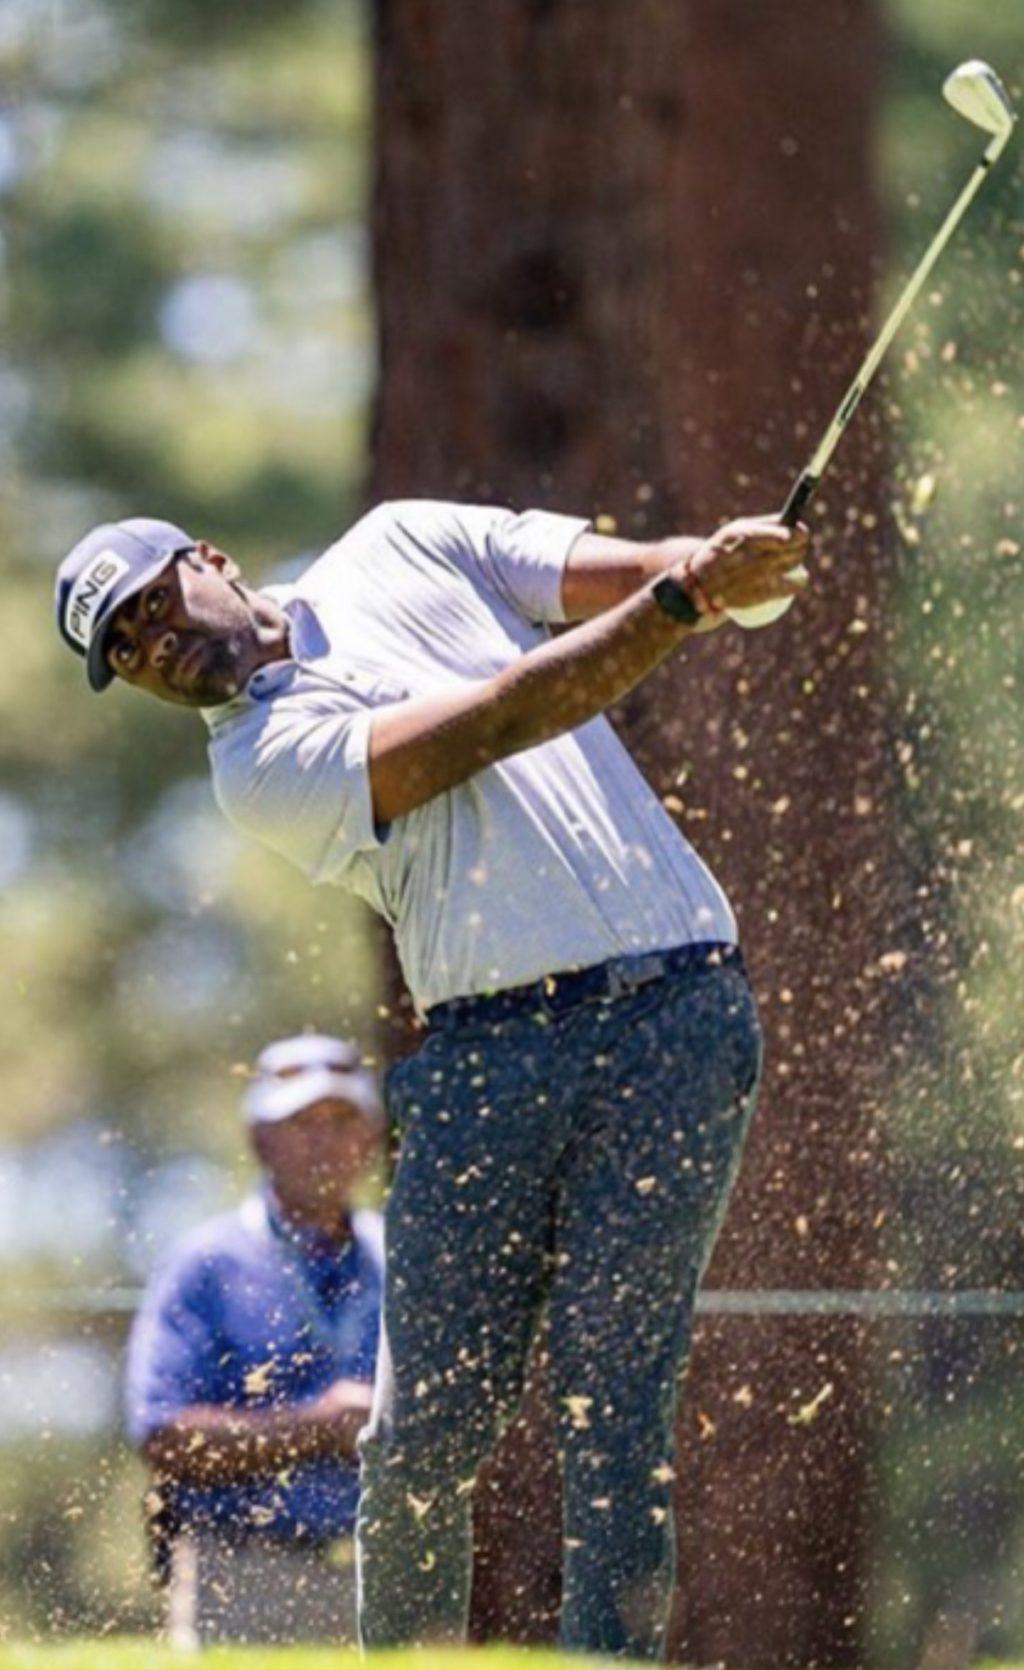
[748,561]
[341,1398]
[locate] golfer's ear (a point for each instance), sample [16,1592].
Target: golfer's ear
[218,559]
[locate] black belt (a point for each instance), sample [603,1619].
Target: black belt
[556,993]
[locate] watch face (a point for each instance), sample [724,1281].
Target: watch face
[675,600]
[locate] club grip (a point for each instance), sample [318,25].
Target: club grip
[800,497]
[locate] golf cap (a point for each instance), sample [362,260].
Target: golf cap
[111,563]
[296,1072]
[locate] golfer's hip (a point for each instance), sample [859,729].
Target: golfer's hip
[562,991]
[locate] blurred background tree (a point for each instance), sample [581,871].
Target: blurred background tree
[188,331]
[673,251]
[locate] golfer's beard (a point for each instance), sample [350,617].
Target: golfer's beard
[223,674]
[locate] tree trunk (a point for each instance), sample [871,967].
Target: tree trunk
[625,255]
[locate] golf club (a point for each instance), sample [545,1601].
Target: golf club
[975,92]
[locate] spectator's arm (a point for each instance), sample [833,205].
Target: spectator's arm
[208,1444]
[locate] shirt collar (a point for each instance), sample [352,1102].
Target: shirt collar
[265,681]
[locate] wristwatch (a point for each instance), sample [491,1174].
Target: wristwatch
[674,599]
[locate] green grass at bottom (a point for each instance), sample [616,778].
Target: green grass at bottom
[115,1654]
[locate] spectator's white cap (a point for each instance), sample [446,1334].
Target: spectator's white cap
[296,1072]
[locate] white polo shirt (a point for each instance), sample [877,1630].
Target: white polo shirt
[558,857]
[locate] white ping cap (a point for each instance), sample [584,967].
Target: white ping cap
[294,1073]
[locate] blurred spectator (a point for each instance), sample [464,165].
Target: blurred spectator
[250,1368]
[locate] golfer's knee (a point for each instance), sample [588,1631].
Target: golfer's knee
[428,1449]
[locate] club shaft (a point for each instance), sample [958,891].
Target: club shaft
[807,481]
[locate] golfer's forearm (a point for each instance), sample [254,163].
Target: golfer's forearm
[211,1445]
[573,678]
[429,744]
[421,748]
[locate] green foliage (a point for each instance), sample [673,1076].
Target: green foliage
[118,276]
[146,950]
[949,1532]
[955,394]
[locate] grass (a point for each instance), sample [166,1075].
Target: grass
[113,1654]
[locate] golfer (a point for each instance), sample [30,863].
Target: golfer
[400,722]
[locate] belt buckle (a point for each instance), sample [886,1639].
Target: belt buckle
[547,992]
[642,970]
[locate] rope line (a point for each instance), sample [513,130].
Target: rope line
[871,1303]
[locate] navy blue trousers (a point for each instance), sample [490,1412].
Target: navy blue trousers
[579,1160]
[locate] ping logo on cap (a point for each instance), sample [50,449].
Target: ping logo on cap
[89,592]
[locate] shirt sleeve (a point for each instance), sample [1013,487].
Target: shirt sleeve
[173,1349]
[522,555]
[304,789]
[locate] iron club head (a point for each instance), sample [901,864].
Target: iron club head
[976,92]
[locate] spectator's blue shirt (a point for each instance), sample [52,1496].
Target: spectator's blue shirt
[253,1313]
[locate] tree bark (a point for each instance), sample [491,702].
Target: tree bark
[625,254]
